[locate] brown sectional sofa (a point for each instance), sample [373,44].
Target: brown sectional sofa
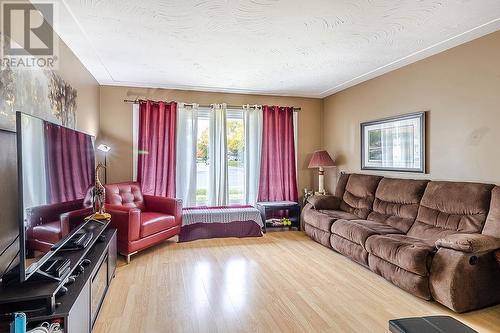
[433,239]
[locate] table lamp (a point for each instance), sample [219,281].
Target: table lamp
[321,159]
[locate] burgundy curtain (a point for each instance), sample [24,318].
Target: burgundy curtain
[70,163]
[278,179]
[156,159]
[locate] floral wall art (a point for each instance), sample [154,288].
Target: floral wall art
[40,93]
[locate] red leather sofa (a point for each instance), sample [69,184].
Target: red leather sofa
[142,220]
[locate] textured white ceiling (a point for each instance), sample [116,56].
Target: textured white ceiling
[283,47]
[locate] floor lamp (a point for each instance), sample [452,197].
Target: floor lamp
[321,159]
[105,149]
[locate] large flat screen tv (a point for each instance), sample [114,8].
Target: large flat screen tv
[56,171]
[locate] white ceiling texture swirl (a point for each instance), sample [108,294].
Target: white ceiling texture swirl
[281,47]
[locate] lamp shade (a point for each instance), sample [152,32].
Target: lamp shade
[104,148]
[321,158]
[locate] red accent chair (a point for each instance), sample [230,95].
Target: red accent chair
[142,220]
[48,224]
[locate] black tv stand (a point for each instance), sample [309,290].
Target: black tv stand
[75,297]
[45,276]
[78,241]
[56,269]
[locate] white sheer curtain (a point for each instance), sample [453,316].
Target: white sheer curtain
[34,170]
[187,135]
[218,187]
[253,145]
[135,138]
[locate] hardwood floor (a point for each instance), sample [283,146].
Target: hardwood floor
[280,282]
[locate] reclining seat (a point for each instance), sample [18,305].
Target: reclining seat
[464,272]
[353,200]
[394,211]
[446,208]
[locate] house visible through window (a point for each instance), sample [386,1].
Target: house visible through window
[235,131]
[202,158]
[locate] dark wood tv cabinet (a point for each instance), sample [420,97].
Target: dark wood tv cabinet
[77,307]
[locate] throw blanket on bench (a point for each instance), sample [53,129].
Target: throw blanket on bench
[216,222]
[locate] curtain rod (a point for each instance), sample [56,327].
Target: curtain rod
[136,101]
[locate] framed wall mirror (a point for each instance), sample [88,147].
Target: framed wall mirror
[394,144]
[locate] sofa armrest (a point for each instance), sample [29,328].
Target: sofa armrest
[464,281]
[75,217]
[469,243]
[170,206]
[328,202]
[126,220]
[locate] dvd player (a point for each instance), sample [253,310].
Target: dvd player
[79,241]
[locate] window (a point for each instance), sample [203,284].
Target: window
[202,158]
[243,134]
[235,132]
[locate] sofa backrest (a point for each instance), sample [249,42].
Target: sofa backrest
[127,194]
[492,225]
[451,207]
[341,184]
[397,202]
[359,194]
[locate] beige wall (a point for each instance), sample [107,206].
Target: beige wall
[73,71]
[461,90]
[116,123]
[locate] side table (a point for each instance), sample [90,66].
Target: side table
[267,207]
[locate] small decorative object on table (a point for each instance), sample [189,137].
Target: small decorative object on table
[307,195]
[268,207]
[283,222]
[99,198]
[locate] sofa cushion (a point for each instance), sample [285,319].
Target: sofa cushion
[127,194]
[341,184]
[358,231]
[397,201]
[413,283]
[408,253]
[324,202]
[48,232]
[450,207]
[359,194]
[152,223]
[320,236]
[323,219]
[349,249]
